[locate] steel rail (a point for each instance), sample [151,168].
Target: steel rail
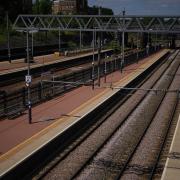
[164,139]
[142,89]
[120,125]
[141,138]
[68,82]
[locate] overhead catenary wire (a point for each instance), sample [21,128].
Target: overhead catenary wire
[142,89]
[68,82]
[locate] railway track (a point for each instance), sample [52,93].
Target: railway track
[125,157]
[165,152]
[81,137]
[166,114]
[81,158]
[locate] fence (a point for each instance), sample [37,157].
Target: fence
[40,92]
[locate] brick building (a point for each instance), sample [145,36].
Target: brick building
[69,7]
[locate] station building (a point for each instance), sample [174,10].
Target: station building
[69,7]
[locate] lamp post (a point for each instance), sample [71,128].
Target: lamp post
[105,69]
[8,37]
[148,44]
[95,40]
[59,41]
[99,53]
[93,60]
[32,48]
[99,57]
[123,39]
[137,56]
[28,81]
[28,78]
[122,46]
[156,42]
[80,43]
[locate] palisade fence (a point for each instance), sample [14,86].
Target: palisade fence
[15,103]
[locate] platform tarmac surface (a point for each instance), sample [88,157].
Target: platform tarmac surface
[19,64]
[16,134]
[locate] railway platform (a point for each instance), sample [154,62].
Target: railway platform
[39,61]
[19,139]
[172,166]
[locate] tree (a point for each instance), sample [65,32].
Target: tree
[95,10]
[14,8]
[42,7]
[115,44]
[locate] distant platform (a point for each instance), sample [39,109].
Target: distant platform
[39,61]
[172,166]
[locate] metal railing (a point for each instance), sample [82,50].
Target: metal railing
[43,91]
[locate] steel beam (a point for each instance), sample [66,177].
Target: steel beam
[138,24]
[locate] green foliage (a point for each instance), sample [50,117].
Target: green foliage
[104,11]
[146,20]
[14,8]
[72,44]
[2,38]
[107,11]
[115,46]
[2,33]
[71,33]
[42,7]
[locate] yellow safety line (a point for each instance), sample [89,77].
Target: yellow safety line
[53,125]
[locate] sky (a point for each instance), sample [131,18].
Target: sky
[141,7]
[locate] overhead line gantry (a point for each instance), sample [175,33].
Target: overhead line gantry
[106,23]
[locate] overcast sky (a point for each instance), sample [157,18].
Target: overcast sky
[141,7]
